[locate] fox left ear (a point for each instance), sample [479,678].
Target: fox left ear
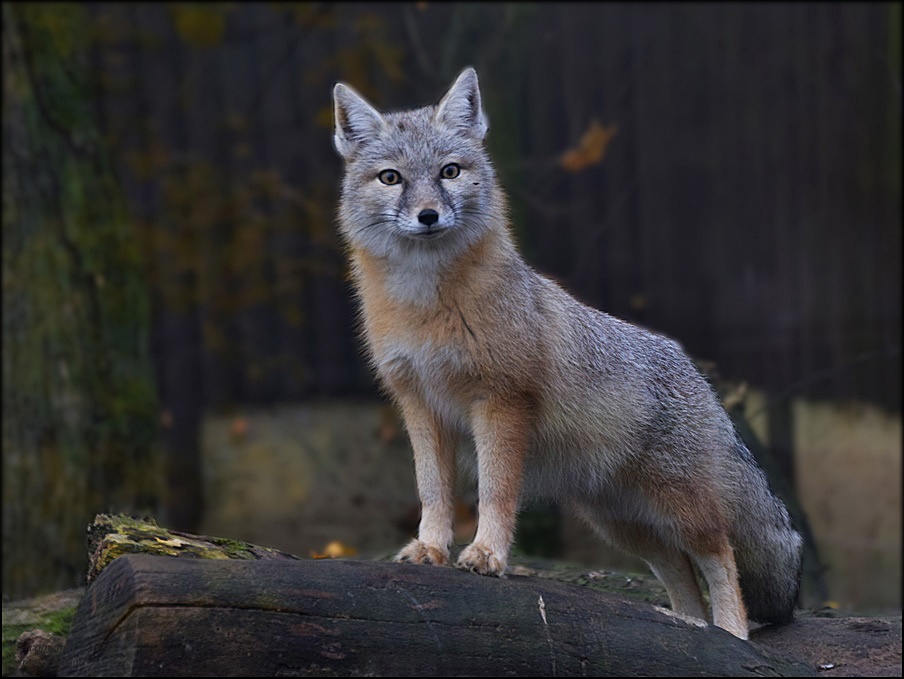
[461,106]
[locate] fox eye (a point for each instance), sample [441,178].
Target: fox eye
[389,177]
[450,171]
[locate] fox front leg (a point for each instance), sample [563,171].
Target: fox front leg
[434,463]
[501,435]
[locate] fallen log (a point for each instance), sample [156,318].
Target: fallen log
[160,616]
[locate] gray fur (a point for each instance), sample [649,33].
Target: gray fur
[623,421]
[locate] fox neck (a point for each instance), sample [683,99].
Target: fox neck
[427,277]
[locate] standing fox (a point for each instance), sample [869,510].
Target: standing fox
[563,401]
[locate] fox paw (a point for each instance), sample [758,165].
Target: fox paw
[479,559]
[420,552]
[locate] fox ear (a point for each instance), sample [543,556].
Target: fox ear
[355,120]
[461,105]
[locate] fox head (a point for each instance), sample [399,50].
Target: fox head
[416,181]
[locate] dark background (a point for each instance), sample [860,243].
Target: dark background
[734,181]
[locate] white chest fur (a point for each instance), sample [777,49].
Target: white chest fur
[441,374]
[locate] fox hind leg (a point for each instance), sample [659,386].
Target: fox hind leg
[674,570]
[721,574]
[670,565]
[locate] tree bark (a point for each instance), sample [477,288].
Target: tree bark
[79,410]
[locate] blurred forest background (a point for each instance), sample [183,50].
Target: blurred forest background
[177,323]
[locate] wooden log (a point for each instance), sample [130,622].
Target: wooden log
[160,616]
[38,653]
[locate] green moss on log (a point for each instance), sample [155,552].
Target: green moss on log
[112,536]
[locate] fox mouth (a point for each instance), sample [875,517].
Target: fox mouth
[428,233]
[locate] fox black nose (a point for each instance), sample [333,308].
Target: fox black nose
[428,217]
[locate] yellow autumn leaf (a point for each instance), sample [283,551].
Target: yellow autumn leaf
[324,117]
[591,149]
[198,25]
[238,428]
[309,15]
[236,122]
[334,550]
[146,164]
[61,23]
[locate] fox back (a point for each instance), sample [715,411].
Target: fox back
[563,401]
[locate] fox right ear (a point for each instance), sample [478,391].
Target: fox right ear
[355,120]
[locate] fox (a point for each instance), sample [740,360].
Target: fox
[564,402]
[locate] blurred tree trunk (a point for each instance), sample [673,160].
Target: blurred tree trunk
[79,412]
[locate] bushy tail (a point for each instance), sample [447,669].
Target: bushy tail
[767,549]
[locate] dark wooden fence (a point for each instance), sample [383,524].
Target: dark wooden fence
[749,203]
